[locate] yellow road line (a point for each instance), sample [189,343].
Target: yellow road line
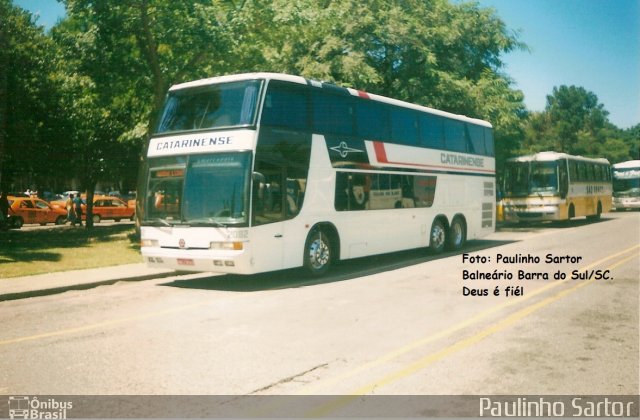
[499,326]
[455,328]
[462,344]
[371,364]
[103,324]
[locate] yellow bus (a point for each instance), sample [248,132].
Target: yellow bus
[556,186]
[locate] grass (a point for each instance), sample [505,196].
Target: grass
[25,253]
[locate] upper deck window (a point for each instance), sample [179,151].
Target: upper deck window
[217,106]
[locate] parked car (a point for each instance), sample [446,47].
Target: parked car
[104,207]
[33,210]
[107,207]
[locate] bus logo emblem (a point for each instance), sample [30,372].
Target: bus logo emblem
[344,150]
[182,244]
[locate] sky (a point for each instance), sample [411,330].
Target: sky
[594,44]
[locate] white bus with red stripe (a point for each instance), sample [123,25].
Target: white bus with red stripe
[259,172]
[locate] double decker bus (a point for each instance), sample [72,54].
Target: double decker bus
[555,186]
[626,185]
[259,172]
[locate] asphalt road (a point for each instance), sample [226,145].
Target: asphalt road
[397,324]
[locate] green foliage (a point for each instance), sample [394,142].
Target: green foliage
[434,53]
[87,93]
[29,111]
[575,122]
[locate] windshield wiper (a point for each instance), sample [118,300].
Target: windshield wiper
[207,221]
[156,221]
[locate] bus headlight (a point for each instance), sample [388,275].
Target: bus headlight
[149,243]
[227,246]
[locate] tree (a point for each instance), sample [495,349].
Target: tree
[575,122]
[631,137]
[31,119]
[434,53]
[116,58]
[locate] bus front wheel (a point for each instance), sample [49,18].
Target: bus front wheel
[437,237]
[317,253]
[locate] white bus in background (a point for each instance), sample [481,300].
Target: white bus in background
[258,172]
[555,186]
[626,185]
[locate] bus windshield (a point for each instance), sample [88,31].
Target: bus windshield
[525,178]
[216,106]
[626,182]
[206,189]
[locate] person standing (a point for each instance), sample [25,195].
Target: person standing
[71,215]
[4,210]
[78,208]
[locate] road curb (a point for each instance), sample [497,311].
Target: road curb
[82,286]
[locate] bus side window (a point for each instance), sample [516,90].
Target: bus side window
[271,201]
[564,181]
[333,113]
[432,131]
[267,198]
[404,126]
[372,120]
[286,106]
[488,141]
[573,171]
[455,138]
[476,137]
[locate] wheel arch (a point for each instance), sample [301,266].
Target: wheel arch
[329,229]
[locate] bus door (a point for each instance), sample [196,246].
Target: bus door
[268,213]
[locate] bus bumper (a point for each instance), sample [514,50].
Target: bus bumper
[215,261]
[625,203]
[533,213]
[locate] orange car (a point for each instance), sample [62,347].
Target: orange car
[33,210]
[104,207]
[107,207]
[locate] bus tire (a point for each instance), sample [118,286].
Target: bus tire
[96,219]
[61,220]
[437,237]
[457,235]
[572,212]
[596,216]
[317,252]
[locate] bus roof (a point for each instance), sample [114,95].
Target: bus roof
[551,156]
[627,165]
[318,84]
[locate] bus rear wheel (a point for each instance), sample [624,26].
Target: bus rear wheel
[596,216]
[437,236]
[457,235]
[317,253]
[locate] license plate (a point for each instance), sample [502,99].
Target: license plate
[185,261]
